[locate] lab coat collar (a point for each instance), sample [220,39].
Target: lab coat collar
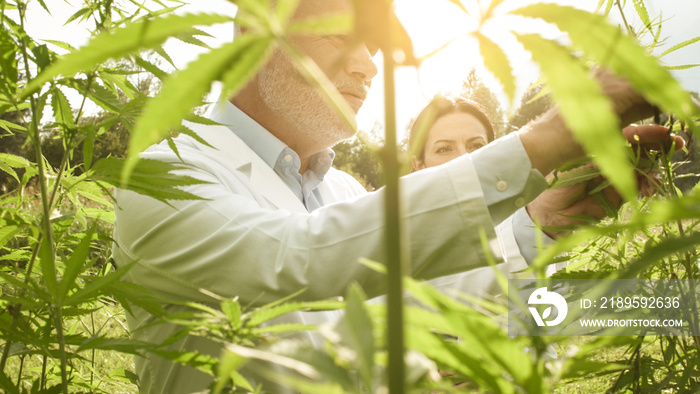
[233,153]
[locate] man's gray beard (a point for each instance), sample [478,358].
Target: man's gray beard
[285,91]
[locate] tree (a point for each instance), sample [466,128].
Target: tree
[473,87]
[357,156]
[533,104]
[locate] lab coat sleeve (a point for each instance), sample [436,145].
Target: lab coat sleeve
[233,244]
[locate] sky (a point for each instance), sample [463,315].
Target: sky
[431,23]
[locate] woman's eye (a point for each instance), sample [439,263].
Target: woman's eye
[443,149]
[474,146]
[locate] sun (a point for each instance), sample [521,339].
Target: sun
[444,35]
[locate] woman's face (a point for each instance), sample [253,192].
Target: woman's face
[451,136]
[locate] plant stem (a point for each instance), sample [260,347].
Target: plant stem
[46,222]
[392,208]
[58,321]
[92,356]
[44,362]
[5,353]
[19,373]
[624,20]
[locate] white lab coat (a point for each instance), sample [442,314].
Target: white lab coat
[253,239]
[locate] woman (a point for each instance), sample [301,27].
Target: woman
[449,127]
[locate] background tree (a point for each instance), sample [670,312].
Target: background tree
[473,88]
[533,104]
[357,156]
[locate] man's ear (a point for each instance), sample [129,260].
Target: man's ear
[416,165]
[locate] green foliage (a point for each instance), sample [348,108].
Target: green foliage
[58,289]
[359,158]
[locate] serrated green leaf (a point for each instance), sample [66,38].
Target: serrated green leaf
[679,46]
[264,314]
[61,44]
[8,57]
[642,12]
[106,215]
[496,61]
[62,111]
[599,188]
[29,173]
[248,63]
[586,110]
[202,362]
[75,265]
[7,125]
[148,33]
[232,310]
[153,178]
[228,364]
[42,57]
[6,383]
[282,328]
[124,375]
[94,287]
[654,254]
[682,67]
[581,368]
[97,93]
[360,330]
[165,56]
[7,231]
[150,67]
[48,267]
[183,129]
[78,14]
[620,53]
[128,293]
[117,81]
[480,339]
[131,112]
[574,176]
[192,40]
[184,90]
[574,164]
[4,167]
[14,161]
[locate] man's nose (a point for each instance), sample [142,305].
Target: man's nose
[360,64]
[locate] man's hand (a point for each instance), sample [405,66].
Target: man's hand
[565,206]
[549,143]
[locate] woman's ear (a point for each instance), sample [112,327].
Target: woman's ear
[416,165]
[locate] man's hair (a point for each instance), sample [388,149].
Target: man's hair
[438,107]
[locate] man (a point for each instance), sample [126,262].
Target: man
[277,219]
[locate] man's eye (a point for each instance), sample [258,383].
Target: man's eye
[338,39]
